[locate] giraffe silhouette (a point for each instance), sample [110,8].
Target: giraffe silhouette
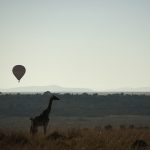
[43,118]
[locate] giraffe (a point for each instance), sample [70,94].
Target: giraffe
[43,118]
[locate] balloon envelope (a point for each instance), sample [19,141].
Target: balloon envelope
[18,71]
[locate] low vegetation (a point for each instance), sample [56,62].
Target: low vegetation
[75,105]
[77,139]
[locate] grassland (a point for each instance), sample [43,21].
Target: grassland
[74,139]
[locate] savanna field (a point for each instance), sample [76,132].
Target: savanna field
[77,122]
[76,139]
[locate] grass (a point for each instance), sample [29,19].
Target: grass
[74,139]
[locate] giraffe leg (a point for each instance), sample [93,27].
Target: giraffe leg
[45,128]
[33,130]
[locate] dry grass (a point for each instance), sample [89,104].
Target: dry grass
[74,139]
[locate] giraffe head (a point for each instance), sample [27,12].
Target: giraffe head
[54,97]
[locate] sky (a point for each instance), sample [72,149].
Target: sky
[97,44]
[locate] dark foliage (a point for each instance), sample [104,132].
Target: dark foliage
[79,105]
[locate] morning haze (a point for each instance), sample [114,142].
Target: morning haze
[91,44]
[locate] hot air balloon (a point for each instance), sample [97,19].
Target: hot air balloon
[18,71]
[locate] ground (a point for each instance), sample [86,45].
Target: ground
[75,139]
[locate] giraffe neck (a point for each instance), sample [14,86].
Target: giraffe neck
[49,106]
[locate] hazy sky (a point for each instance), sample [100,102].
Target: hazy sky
[99,44]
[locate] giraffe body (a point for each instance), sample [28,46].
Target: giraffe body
[42,119]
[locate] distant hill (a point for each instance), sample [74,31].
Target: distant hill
[128,90]
[52,88]
[60,89]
